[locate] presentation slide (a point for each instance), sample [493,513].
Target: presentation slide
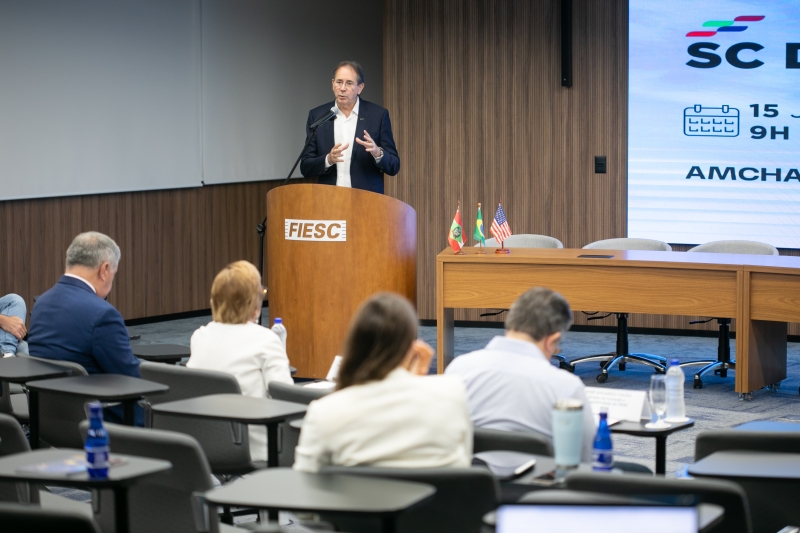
[714,121]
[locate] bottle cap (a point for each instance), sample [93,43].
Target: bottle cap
[279,321]
[603,415]
[96,409]
[674,362]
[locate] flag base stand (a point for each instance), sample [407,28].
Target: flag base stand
[461,252]
[502,251]
[481,252]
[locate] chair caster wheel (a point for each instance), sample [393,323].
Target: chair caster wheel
[622,367]
[569,368]
[698,383]
[602,378]
[603,364]
[746,396]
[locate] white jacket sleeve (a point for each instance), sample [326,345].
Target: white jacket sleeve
[311,453]
[274,362]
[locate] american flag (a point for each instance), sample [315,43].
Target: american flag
[500,229]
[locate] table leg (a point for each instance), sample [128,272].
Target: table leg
[33,413]
[661,454]
[121,518]
[129,417]
[272,445]
[445,338]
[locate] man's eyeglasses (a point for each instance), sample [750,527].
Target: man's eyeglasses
[349,83]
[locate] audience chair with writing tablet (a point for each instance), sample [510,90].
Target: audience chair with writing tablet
[59,415]
[225,444]
[289,432]
[723,362]
[726,494]
[621,355]
[463,496]
[172,500]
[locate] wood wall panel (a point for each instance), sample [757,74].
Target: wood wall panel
[479,114]
[173,242]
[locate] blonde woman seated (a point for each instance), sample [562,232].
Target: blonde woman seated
[386,411]
[234,343]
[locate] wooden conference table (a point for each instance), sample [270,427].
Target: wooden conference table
[761,292]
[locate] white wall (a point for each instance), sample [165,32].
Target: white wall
[101,96]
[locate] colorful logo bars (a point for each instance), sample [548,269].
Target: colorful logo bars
[724,26]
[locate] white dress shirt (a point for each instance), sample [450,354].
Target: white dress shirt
[253,354]
[402,421]
[344,131]
[83,280]
[512,386]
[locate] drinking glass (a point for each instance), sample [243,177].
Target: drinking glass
[658,400]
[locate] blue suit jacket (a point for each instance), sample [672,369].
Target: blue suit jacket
[71,323]
[365,173]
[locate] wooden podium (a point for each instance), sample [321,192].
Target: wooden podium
[328,249]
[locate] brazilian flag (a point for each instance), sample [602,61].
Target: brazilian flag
[478,235]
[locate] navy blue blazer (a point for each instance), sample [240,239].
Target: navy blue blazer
[365,173]
[71,323]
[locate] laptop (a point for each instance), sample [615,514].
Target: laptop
[521,518]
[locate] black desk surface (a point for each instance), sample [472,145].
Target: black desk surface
[748,464]
[286,489]
[124,474]
[637,428]
[767,425]
[160,352]
[22,369]
[233,407]
[106,387]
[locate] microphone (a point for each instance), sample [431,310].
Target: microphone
[330,116]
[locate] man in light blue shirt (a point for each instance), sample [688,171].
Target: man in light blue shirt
[511,384]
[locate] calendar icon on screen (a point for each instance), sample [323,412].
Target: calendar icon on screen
[700,121]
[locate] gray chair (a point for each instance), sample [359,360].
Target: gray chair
[289,432]
[463,496]
[726,494]
[170,501]
[723,362]
[226,444]
[773,503]
[14,402]
[487,440]
[34,519]
[526,240]
[12,440]
[719,440]
[621,356]
[59,414]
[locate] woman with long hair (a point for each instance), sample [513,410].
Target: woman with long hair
[386,411]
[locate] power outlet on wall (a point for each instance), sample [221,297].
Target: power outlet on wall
[599,164]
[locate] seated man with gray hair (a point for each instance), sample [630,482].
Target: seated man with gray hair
[511,384]
[73,321]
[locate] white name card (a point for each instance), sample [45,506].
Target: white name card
[621,404]
[315,230]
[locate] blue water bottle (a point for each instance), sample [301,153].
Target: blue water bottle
[96,445]
[602,452]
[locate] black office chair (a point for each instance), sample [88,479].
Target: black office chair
[34,519]
[463,496]
[723,362]
[719,440]
[726,494]
[621,355]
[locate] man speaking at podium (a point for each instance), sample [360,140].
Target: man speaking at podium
[332,154]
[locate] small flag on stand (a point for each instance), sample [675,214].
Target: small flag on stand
[500,229]
[456,236]
[478,234]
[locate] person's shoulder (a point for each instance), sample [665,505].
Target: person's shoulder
[322,109]
[443,385]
